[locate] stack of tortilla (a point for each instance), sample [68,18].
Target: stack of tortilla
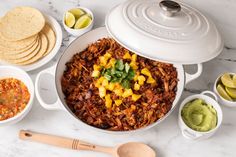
[25,37]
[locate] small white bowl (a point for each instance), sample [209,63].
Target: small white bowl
[78,32]
[222,100]
[17,73]
[191,134]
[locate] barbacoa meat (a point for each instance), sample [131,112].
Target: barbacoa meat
[83,99]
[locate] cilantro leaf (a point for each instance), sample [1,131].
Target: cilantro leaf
[125,84]
[127,67]
[131,74]
[107,76]
[119,65]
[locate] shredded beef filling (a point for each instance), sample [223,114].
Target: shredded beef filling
[82,97]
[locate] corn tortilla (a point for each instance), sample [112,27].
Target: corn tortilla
[32,57]
[20,23]
[24,53]
[40,54]
[16,61]
[13,52]
[17,45]
[48,31]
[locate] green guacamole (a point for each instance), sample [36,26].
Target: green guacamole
[199,116]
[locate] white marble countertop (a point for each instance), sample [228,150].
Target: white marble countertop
[165,138]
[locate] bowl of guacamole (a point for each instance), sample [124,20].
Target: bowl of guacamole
[200,115]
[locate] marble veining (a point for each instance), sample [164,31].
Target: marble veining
[165,138]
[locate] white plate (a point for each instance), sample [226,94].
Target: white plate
[58,32]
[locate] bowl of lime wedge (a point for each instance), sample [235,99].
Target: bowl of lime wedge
[225,88]
[78,21]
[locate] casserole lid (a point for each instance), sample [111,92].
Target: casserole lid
[166,31]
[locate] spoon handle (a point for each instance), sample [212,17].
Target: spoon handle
[57,141]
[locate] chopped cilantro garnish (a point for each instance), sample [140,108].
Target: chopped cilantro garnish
[121,73]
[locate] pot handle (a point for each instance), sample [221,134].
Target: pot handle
[191,77]
[211,94]
[191,136]
[45,88]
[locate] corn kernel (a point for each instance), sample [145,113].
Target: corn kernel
[108,101]
[134,58]
[103,60]
[141,79]
[111,63]
[118,91]
[117,85]
[99,82]
[95,73]
[146,72]
[108,97]
[107,55]
[96,67]
[101,79]
[136,86]
[118,102]
[105,83]
[127,92]
[136,76]
[102,91]
[111,86]
[135,97]
[151,80]
[133,65]
[127,55]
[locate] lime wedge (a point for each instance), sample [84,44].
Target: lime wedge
[69,19]
[83,21]
[227,80]
[231,92]
[223,93]
[77,12]
[234,79]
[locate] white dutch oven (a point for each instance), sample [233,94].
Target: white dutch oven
[160,31]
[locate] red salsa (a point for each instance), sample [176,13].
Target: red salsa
[14,96]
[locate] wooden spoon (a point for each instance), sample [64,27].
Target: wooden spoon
[131,149]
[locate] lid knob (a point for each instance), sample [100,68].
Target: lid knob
[170,8]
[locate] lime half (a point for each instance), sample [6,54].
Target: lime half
[223,93]
[77,12]
[69,19]
[234,79]
[227,80]
[83,22]
[231,92]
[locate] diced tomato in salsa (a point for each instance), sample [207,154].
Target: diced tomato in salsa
[14,96]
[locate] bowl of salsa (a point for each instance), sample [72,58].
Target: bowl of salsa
[16,94]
